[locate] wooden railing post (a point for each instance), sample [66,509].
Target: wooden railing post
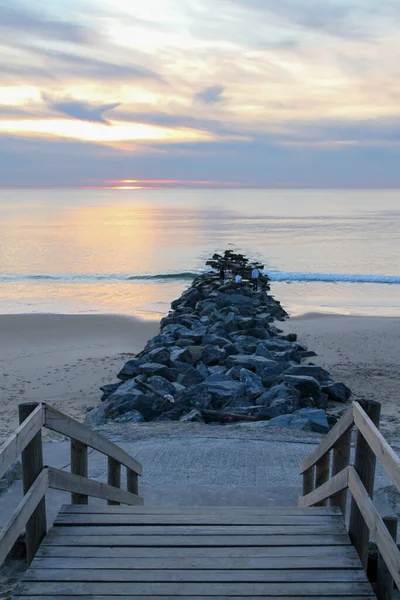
[364,464]
[79,466]
[132,481]
[341,460]
[384,580]
[322,474]
[32,466]
[114,475]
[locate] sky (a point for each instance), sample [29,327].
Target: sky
[202,93]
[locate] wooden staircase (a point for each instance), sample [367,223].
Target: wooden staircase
[160,553]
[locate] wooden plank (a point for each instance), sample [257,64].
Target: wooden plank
[386,545]
[170,520]
[333,486]
[102,597]
[344,424]
[194,589]
[195,575]
[113,477]
[79,466]
[341,459]
[210,564]
[195,553]
[15,525]
[322,475]
[13,446]
[59,422]
[56,539]
[32,466]
[61,480]
[201,510]
[196,530]
[382,450]
[364,464]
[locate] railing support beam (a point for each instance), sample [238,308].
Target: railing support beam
[32,466]
[341,460]
[364,464]
[79,466]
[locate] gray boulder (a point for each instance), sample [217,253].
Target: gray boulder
[307,386]
[318,373]
[215,340]
[190,377]
[251,362]
[252,382]
[162,340]
[150,369]
[212,355]
[279,400]
[109,389]
[202,369]
[182,355]
[307,419]
[130,369]
[195,396]
[271,372]
[339,392]
[162,385]
[158,355]
[262,350]
[223,388]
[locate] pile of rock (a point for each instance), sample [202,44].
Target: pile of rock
[219,357]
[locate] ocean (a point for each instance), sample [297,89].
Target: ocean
[133,251]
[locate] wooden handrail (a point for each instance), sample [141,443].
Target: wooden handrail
[384,541]
[359,479]
[336,484]
[59,422]
[345,423]
[18,441]
[69,482]
[27,440]
[21,515]
[380,447]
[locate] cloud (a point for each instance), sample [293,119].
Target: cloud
[211,95]
[346,19]
[21,20]
[84,111]
[84,66]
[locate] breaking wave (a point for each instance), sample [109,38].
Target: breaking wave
[189,275]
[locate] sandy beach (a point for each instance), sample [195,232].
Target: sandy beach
[64,359]
[363,352]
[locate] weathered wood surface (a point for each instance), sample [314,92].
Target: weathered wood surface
[341,460]
[344,424]
[17,442]
[386,545]
[68,482]
[380,447]
[169,553]
[15,525]
[200,510]
[59,422]
[364,464]
[32,467]
[79,466]
[326,490]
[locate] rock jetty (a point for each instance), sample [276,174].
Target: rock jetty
[220,358]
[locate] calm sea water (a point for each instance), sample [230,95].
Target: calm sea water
[132,252]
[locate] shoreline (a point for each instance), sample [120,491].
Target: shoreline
[64,359]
